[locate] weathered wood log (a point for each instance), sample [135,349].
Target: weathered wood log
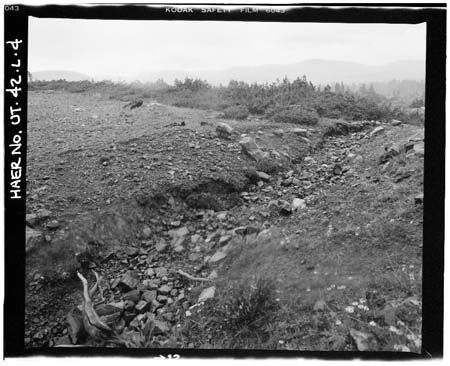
[88,308]
[93,325]
[75,326]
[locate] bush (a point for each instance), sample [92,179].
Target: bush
[414,116]
[236,112]
[296,114]
[79,86]
[298,102]
[249,307]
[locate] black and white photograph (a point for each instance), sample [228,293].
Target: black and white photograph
[224,183]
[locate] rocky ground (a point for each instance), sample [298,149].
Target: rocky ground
[176,210]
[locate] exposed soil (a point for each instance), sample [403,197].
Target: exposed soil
[154,190]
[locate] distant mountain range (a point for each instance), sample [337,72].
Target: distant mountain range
[317,71]
[59,75]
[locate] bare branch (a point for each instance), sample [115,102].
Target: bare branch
[88,307]
[192,278]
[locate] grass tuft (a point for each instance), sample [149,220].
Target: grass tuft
[249,307]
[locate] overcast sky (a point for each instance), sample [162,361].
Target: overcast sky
[125,47]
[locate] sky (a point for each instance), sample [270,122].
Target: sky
[127,47]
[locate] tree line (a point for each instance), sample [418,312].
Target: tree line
[294,101]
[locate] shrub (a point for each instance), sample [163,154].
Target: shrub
[414,116]
[236,112]
[250,307]
[298,102]
[417,103]
[296,114]
[79,86]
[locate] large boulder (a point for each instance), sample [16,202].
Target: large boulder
[224,130]
[250,148]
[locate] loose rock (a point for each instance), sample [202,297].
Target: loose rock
[285,208]
[219,255]
[33,239]
[149,296]
[418,136]
[263,176]
[161,245]
[250,148]
[418,199]
[246,230]
[131,251]
[207,294]
[180,232]
[213,275]
[298,204]
[146,232]
[40,216]
[161,272]
[278,132]
[31,220]
[62,341]
[224,130]
[376,130]
[300,132]
[165,289]
[53,225]
[132,295]
[129,281]
[161,327]
[222,215]
[142,306]
[364,341]
[419,149]
[224,239]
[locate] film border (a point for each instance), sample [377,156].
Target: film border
[16,27]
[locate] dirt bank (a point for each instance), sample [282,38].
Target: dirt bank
[137,196]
